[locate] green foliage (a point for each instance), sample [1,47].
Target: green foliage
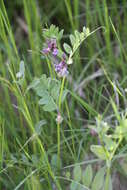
[75,186]
[108,182]
[99,151]
[31,143]
[76,40]
[87,176]
[67,48]
[48,90]
[39,126]
[77,178]
[83,179]
[53,32]
[77,173]
[54,161]
[98,180]
[109,143]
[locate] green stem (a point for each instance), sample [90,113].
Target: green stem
[58,124]
[101,141]
[112,155]
[107,179]
[50,68]
[58,142]
[61,92]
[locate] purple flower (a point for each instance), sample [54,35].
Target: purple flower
[57,67]
[46,50]
[52,47]
[52,43]
[63,72]
[64,57]
[61,69]
[55,51]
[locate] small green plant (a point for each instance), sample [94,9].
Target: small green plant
[48,90]
[109,142]
[84,179]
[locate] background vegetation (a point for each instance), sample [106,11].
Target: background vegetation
[97,82]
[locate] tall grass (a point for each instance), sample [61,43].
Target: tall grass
[26,159]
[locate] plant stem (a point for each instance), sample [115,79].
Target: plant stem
[50,68]
[58,124]
[61,92]
[107,179]
[58,145]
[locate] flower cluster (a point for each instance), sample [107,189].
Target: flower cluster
[51,48]
[61,68]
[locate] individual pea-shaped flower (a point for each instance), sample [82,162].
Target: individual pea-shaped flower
[55,52]
[51,47]
[61,69]
[52,43]
[46,50]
